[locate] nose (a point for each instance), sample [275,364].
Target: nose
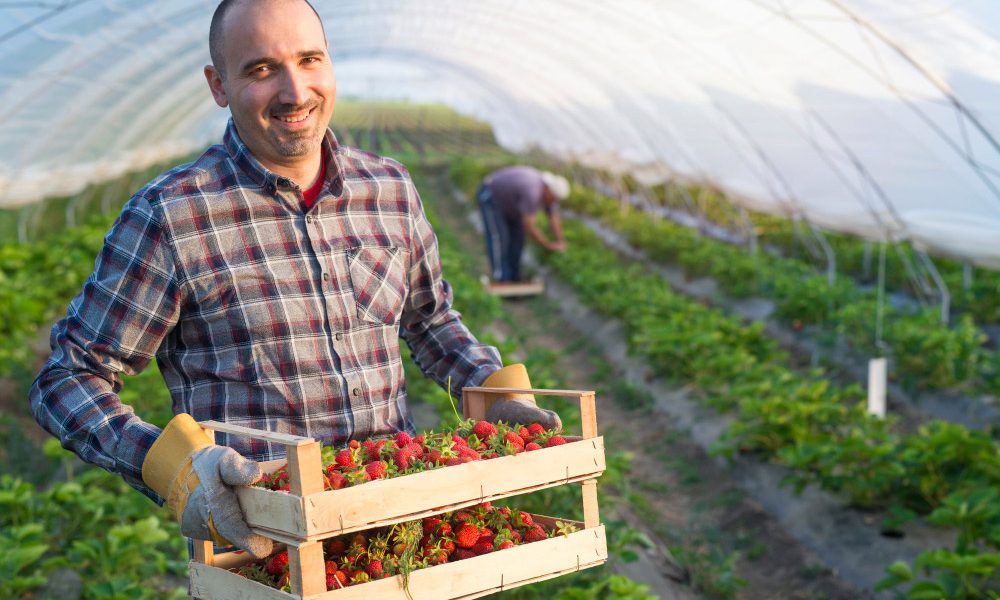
[294,88]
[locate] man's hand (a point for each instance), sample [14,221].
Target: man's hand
[517,408]
[196,477]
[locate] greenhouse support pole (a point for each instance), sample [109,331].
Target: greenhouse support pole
[831,258]
[941,286]
[876,387]
[966,276]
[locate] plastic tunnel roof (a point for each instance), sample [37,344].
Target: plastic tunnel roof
[874,117]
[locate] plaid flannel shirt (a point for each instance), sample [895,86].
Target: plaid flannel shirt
[258,312]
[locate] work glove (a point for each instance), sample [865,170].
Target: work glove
[196,477]
[517,408]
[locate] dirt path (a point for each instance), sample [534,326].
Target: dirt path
[708,538]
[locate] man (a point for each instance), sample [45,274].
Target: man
[271,279]
[509,201]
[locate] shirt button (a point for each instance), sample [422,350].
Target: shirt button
[326,277]
[339,336]
[356,391]
[309,219]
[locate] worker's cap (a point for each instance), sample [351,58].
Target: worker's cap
[557,184]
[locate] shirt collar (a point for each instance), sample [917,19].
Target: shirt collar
[261,175]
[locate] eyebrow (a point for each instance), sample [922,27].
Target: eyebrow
[264,60]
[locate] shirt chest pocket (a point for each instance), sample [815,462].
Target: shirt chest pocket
[379,280]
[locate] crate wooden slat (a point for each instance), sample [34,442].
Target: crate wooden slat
[513,289]
[291,518]
[470,578]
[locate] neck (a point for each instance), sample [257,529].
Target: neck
[303,172]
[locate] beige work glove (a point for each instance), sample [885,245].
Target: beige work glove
[196,477]
[517,408]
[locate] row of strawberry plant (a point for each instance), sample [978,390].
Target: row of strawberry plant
[925,353]
[819,431]
[856,258]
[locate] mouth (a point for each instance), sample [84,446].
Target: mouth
[293,119]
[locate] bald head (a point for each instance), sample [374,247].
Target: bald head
[216,35]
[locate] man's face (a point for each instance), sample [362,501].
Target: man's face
[279,82]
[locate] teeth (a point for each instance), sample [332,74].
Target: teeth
[293,119]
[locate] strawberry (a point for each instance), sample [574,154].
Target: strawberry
[330,566]
[337,481]
[336,547]
[462,553]
[341,578]
[535,534]
[403,439]
[451,462]
[535,429]
[482,547]
[506,544]
[556,440]
[467,536]
[524,519]
[372,449]
[354,444]
[459,440]
[419,439]
[531,446]
[345,458]
[430,523]
[416,449]
[514,439]
[434,456]
[278,563]
[403,458]
[484,429]
[374,568]
[375,470]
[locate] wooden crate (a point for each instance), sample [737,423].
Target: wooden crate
[307,515]
[513,289]
[469,578]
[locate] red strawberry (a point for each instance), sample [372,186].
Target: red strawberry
[434,456]
[484,430]
[443,529]
[467,536]
[483,547]
[403,439]
[337,481]
[535,534]
[459,440]
[451,462]
[374,569]
[556,440]
[419,439]
[515,439]
[375,470]
[431,523]
[372,449]
[503,510]
[278,563]
[353,444]
[462,554]
[336,547]
[331,567]
[531,446]
[535,429]
[403,458]
[416,449]
[345,458]
[506,544]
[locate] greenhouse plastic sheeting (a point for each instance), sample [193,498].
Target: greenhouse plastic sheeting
[879,118]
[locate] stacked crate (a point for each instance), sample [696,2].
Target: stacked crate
[308,515]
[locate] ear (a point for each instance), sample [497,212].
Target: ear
[214,79]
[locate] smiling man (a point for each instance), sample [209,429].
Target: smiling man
[271,279]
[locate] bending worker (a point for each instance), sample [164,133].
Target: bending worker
[271,280]
[509,201]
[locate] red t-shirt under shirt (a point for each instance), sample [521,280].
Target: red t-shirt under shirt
[312,193]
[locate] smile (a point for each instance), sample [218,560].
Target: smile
[294,117]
